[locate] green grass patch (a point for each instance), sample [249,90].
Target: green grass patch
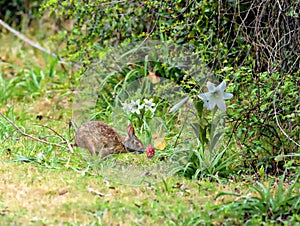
[42,184]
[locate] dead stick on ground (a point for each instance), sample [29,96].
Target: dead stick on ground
[64,139]
[28,135]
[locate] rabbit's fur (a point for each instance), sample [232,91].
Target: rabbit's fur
[99,137]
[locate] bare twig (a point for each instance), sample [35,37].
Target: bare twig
[31,43]
[23,38]
[277,121]
[28,135]
[64,139]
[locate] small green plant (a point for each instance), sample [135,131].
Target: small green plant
[140,110]
[207,160]
[25,83]
[266,204]
[198,163]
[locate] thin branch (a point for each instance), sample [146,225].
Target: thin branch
[23,38]
[64,139]
[276,118]
[28,135]
[31,43]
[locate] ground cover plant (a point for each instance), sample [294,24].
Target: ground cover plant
[206,83]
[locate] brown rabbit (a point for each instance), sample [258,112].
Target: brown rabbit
[98,137]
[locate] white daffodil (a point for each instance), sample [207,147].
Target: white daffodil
[215,96]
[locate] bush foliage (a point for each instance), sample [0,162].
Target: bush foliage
[253,44]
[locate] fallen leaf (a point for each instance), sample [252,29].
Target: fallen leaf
[63,191]
[159,143]
[154,79]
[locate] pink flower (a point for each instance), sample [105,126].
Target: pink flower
[150,151]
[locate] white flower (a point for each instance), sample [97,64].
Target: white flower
[149,105]
[136,106]
[215,96]
[127,107]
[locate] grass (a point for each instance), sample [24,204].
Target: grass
[39,187]
[32,194]
[49,191]
[45,185]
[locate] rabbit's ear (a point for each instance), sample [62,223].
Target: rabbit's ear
[130,131]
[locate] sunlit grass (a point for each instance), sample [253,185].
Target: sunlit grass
[39,186]
[44,184]
[33,193]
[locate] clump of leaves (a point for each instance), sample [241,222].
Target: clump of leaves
[196,164]
[23,82]
[266,204]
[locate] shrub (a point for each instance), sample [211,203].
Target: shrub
[259,54]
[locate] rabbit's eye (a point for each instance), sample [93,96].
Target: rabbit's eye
[137,143]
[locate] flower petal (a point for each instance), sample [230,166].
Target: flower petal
[211,87]
[204,98]
[222,86]
[211,105]
[221,104]
[227,96]
[213,100]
